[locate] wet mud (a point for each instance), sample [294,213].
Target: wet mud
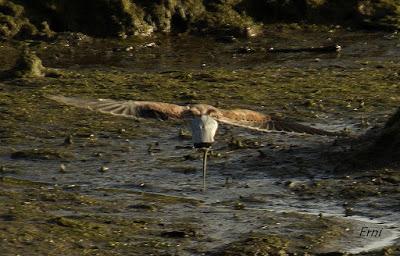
[77,182]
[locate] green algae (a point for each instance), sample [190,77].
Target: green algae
[306,93]
[13,22]
[43,154]
[29,65]
[32,223]
[390,251]
[160,199]
[313,235]
[257,244]
[354,187]
[353,86]
[10,180]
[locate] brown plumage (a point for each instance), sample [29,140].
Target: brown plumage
[130,109]
[148,109]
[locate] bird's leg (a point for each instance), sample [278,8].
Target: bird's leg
[205,152]
[203,128]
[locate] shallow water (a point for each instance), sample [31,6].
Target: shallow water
[266,180]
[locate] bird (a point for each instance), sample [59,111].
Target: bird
[203,118]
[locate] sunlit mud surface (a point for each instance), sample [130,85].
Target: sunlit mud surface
[267,192]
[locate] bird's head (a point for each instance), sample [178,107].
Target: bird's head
[201,109]
[203,125]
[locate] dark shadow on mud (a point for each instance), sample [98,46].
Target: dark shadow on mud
[290,156]
[379,147]
[312,157]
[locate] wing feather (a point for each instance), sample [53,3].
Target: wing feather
[257,121]
[130,109]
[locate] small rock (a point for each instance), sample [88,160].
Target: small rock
[148,207]
[252,31]
[228,182]
[29,65]
[239,206]
[103,169]
[226,39]
[63,169]
[150,45]
[153,148]
[68,140]
[261,154]
[98,154]
[252,199]
[331,254]
[290,184]
[184,134]
[177,234]
[245,50]
[348,211]
[42,154]
[8,217]
[191,157]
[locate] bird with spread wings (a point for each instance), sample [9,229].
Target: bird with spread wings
[203,118]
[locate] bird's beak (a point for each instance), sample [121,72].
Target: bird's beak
[203,131]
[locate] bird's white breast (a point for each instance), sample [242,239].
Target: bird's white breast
[203,129]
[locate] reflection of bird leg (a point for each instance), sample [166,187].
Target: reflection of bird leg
[205,152]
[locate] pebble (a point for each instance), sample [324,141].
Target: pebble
[103,169]
[63,168]
[150,45]
[226,39]
[239,206]
[245,49]
[68,140]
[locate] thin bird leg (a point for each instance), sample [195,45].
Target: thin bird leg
[205,152]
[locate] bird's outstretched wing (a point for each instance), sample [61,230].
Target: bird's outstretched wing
[130,109]
[261,122]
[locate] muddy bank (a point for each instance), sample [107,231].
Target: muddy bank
[77,181]
[387,144]
[378,147]
[121,18]
[38,218]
